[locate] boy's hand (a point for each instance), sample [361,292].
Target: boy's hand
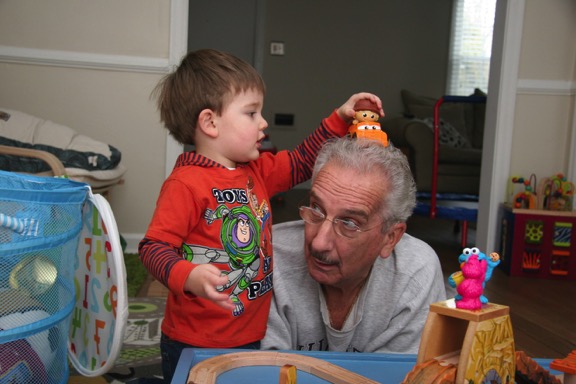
[202,282]
[346,111]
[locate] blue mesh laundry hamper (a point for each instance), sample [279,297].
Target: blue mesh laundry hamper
[40,221]
[62,280]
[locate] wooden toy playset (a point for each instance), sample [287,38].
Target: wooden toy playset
[553,193]
[465,340]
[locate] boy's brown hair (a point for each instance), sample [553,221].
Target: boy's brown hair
[204,79]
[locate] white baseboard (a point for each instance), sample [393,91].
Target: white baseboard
[132,241]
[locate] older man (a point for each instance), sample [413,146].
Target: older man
[348,277]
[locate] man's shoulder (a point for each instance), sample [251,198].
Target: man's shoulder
[288,234]
[411,244]
[288,244]
[413,266]
[413,253]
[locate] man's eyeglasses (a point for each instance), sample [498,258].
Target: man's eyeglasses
[342,227]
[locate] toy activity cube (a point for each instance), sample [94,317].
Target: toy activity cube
[538,243]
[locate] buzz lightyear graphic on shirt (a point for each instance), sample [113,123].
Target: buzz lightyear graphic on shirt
[240,239]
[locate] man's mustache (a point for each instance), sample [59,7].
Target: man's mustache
[323,257]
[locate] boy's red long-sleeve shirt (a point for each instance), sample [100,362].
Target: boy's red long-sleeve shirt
[207,213]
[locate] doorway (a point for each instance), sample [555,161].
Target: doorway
[245,24]
[238,29]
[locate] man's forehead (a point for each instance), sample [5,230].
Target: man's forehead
[348,187]
[343,204]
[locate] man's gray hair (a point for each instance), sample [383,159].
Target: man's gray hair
[371,157]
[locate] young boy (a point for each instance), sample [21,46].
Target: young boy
[209,240]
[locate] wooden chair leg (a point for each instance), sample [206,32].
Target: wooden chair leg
[456,228]
[464,240]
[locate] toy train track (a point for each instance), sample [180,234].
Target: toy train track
[208,370]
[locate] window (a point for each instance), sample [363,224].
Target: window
[470,46]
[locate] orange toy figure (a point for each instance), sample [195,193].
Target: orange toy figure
[365,123]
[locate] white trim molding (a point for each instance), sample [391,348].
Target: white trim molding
[178,31]
[546,87]
[82,60]
[178,48]
[500,107]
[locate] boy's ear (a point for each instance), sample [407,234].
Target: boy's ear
[207,123]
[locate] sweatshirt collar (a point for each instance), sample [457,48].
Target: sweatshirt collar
[192,158]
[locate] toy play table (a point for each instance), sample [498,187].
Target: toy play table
[381,367]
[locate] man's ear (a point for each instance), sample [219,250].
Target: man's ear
[207,123]
[391,238]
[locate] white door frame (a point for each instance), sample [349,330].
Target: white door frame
[178,48]
[500,110]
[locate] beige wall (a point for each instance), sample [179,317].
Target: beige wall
[548,45]
[544,113]
[110,103]
[127,27]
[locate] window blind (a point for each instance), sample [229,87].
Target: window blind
[470,46]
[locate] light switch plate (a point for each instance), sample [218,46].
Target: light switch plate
[277,48]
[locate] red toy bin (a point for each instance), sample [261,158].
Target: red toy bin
[538,243]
